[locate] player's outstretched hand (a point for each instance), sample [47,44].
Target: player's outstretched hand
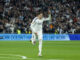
[49,12]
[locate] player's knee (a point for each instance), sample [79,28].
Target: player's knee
[40,40]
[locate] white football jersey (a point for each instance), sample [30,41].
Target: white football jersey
[37,23]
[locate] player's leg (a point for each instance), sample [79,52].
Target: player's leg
[33,39]
[40,43]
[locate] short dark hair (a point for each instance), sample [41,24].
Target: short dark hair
[39,12]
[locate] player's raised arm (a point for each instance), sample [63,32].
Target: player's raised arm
[49,16]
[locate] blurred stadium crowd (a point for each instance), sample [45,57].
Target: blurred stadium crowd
[16,16]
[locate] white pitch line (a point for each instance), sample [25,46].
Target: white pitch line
[23,57]
[10,58]
[20,57]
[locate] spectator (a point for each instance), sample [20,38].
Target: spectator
[18,14]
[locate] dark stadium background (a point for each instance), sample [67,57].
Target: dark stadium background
[16,15]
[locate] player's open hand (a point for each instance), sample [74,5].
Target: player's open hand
[49,12]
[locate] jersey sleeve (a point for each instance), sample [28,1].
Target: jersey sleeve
[33,23]
[47,19]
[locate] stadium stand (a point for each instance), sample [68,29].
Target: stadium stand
[16,16]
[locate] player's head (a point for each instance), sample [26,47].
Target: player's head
[39,14]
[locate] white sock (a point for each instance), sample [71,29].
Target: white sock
[40,47]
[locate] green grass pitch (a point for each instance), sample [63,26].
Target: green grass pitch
[52,50]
